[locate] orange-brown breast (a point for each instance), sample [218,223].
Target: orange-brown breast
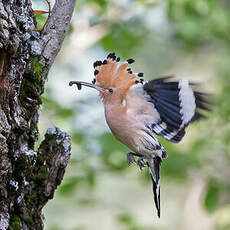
[128,122]
[117,120]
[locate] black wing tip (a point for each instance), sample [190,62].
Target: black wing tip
[197,117]
[204,104]
[204,100]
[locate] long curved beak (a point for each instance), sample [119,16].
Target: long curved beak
[80,83]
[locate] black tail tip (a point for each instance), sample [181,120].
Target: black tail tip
[159,213]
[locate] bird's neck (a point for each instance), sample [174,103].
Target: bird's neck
[114,105]
[114,113]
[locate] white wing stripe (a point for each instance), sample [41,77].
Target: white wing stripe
[188,105]
[160,127]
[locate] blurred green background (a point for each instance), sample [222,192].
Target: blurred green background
[187,38]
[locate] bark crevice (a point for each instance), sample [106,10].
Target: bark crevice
[28,178]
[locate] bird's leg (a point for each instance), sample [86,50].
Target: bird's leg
[130,158]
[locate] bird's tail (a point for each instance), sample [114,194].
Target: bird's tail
[154,170]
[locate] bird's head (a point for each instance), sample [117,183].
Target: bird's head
[112,79]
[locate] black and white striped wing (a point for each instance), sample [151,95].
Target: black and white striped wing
[178,104]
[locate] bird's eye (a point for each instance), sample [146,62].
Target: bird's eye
[111,90]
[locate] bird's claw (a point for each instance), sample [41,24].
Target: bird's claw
[130,159]
[141,162]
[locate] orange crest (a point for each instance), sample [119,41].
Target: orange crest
[109,74]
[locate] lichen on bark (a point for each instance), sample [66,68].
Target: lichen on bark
[28,178]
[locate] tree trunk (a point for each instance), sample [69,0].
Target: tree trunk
[28,178]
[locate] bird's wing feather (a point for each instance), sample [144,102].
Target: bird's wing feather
[139,106]
[177,103]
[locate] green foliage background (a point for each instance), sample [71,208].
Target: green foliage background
[183,37]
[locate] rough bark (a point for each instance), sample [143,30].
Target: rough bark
[28,178]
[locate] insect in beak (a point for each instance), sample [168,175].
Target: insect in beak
[80,83]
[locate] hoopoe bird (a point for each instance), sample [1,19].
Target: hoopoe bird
[137,111]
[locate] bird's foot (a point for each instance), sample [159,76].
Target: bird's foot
[141,162]
[130,158]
